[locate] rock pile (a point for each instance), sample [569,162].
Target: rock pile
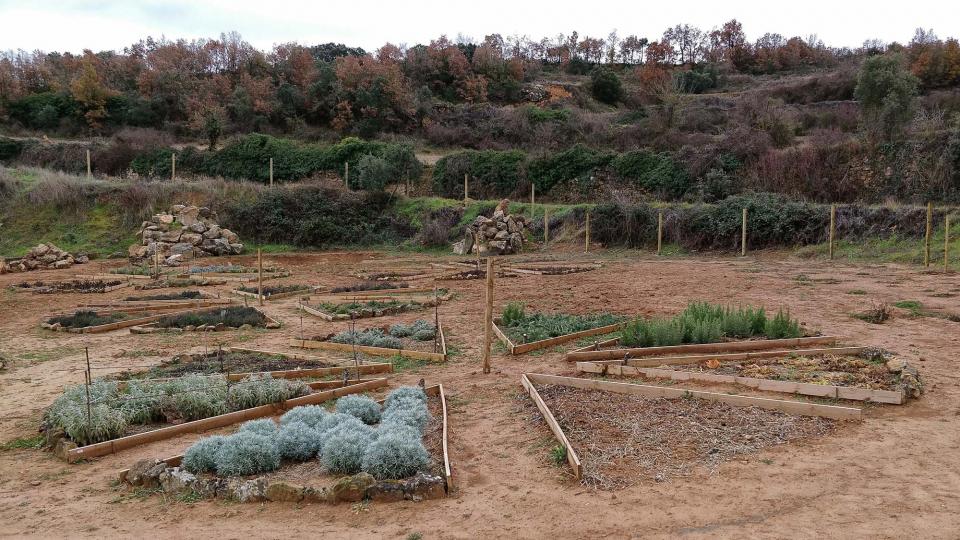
[42,257]
[182,234]
[500,235]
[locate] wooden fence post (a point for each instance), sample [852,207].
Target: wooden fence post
[488,317]
[271,172]
[466,188]
[660,232]
[533,198]
[173,167]
[346,174]
[586,239]
[743,235]
[259,276]
[88,163]
[833,227]
[926,240]
[946,243]
[546,225]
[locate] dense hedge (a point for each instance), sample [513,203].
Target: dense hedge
[316,216]
[495,174]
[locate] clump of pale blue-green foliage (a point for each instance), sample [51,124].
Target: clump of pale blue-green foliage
[371,337]
[202,456]
[341,441]
[310,415]
[246,453]
[362,407]
[191,397]
[419,330]
[297,441]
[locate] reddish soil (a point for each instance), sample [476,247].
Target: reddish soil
[893,475]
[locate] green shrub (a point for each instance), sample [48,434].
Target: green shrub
[84,318]
[362,407]
[526,328]
[397,453]
[404,394]
[258,390]
[142,404]
[334,420]
[374,173]
[409,412]
[702,322]
[576,162]
[311,415]
[344,447]
[10,148]
[298,441]
[513,314]
[539,115]
[371,337]
[233,316]
[657,173]
[419,330]
[201,457]
[782,326]
[246,453]
[185,295]
[605,86]
[196,396]
[493,174]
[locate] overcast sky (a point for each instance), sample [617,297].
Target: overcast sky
[74,25]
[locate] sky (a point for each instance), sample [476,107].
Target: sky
[74,25]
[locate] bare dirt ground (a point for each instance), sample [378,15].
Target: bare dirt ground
[896,474]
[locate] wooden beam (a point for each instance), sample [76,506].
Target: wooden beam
[735,357]
[791,407]
[488,315]
[366,349]
[502,336]
[572,458]
[787,387]
[753,345]
[214,422]
[447,472]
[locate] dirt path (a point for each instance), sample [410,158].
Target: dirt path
[894,475]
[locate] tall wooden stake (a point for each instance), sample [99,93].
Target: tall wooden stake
[88,163]
[173,166]
[488,317]
[533,197]
[926,241]
[259,276]
[346,174]
[833,227]
[743,235]
[946,243]
[586,239]
[546,225]
[466,188]
[660,232]
[271,172]
[89,377]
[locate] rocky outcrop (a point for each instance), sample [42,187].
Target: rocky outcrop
[42,257]
[182,234]
[502,234]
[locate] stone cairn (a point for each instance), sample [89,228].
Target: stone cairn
[500,235]
[42,257]
[182,234]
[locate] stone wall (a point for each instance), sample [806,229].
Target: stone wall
[42,257]
[182,234]
[502,234]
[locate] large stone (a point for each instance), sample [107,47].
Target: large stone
[387,491]
[165,219]
[171,236]
[498,246]
[137,252]
[152,234]
[177,208]
[322,495]
[513,226]
[198,227]
[191,238]
[284,492]
[236,249]
[49,258]
[210,487]
[212,232]
[40,250]
[353,488]
[64,263]
[251,490]
[424,486]
[502,235]
[516,242]
[137,471]
[176,481]
[182,248]
[230,236]
[189,215]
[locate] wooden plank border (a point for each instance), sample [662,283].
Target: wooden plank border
[596,351]
[158,305]
[768,385]
[267,297]
[790,407]
[132,322]
[754,356]
[366,349]
[272,324]
[223,420]
[515,349]
[572,458]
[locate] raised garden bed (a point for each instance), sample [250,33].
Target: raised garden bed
[701,327]
[161,302]
[616,434]
[232,273]
[854,373]
[420,340]
[521,332]
[373,286]
[204,400]
[179,282]
[97,320]
[402,455]
[237,363]
[550,269]
[71,286]
[274,292]
[342,309]
[209,320]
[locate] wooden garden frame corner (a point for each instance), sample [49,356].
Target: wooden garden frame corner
[515,349]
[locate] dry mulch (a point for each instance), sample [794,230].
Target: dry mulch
[624,439]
